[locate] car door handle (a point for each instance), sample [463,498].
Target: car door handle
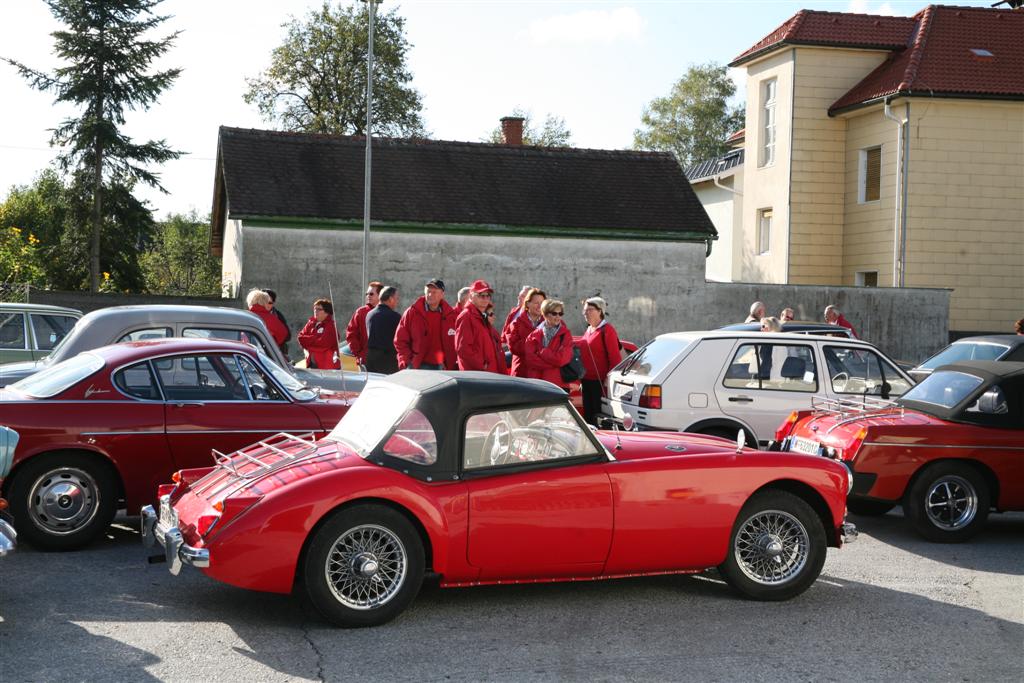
[188,404]
[741,399]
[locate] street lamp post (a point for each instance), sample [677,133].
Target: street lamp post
[369,135]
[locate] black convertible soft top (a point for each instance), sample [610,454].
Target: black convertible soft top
[1007,374]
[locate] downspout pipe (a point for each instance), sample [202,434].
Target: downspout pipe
[899,249]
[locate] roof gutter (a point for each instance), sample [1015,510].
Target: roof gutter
[899,241]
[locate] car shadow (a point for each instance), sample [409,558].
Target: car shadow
[647,627]
[1004,530]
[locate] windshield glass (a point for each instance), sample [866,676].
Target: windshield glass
[954,353]
[48,358]
[652,357]
[298,390]
[379,408]
[945,388]
[57,378]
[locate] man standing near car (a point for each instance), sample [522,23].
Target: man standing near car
[381,324]
[426,334]
[355,333]
[280,316]
[833,316]
[477,344]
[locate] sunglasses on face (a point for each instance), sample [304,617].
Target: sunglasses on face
[556,313]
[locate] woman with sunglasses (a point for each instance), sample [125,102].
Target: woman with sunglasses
[549,347]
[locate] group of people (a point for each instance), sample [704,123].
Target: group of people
[318,337]
[432,334]
[759,314]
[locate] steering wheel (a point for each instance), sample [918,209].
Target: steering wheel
[259,392]
[839,381]
[499,443]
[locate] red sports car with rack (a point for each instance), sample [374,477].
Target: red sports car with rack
[100,431]
[486,479]
[949,450]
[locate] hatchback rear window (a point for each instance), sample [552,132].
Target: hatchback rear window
[653,357]
[60,377]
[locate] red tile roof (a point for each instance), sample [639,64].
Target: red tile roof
[736,137]
[834,29]
[940,58]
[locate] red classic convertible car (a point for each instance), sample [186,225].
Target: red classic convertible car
[102,429]
[948,450]
[488,479]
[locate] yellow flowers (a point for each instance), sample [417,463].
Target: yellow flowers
[106,276]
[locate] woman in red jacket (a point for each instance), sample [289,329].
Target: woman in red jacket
[320,337]
[521,327]
[600,353]
[259,303]
[549,347]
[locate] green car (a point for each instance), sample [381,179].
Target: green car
[31,331]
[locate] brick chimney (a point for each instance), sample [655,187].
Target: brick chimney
[512,130]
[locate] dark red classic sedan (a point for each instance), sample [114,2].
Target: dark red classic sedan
[101,430]
[949,450]
[485,479]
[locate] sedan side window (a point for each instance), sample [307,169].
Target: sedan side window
[212,377]
[137,381]
[512,437]
[12,331]
[143,335]
[261,388]
[779,367]
[50,329]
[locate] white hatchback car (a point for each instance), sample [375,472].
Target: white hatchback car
[720,382]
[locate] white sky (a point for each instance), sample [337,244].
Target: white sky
[596,64]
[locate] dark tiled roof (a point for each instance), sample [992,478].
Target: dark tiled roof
[834,29]
[712,167]
[293,175]
[939,59]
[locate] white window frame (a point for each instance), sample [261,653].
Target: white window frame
[764,237]
[769,99]
[862,175]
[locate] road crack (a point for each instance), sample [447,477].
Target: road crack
[319,655]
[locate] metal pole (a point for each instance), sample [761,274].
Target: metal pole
[369,136]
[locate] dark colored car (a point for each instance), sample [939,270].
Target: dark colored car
[988,347]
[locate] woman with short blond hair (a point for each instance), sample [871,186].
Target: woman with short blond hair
[259,303]
[549,347]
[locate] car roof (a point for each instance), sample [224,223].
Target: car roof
[792,325]
[1008,339]
[117,354]
[162,312]
[751,334]
[987,369]
[39,308]
[483,388]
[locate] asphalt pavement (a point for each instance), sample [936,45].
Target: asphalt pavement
[890,607]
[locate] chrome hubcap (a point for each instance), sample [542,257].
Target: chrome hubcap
[366,567]
[63,501]
[951,503]
[771,547]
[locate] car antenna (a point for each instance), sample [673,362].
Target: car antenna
[337,341]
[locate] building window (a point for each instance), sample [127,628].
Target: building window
[867,278]
[764,230]
[768,98]
[870,174]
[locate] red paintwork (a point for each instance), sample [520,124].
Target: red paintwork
[898,444]
[650,511]
[156,447]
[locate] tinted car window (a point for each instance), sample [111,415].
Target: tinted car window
[137,380]
[50,329]
[12,331]
[212,377]
[944,388]
[511,437]
[781,367]
[148,333]
[653,357]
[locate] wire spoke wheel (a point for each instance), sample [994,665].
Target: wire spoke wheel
[771,547]
[366,567]
[951,502]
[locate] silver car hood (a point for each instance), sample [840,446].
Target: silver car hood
[12,372]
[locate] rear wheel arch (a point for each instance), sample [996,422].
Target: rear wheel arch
[720,426]
[812,497]
[981,468]
[97,456]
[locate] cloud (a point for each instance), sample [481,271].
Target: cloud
[864,7]
[591,26]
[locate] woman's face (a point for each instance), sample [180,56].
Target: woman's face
[319,314]
[592,314]
[533,305]
[554,318]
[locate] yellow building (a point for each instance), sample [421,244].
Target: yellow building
[886,150]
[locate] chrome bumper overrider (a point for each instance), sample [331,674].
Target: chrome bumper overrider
[848,532]
[8,538]
[177,552]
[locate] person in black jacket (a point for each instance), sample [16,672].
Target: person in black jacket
[280,316]
[381,324]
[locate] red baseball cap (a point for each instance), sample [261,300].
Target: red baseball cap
[480,286]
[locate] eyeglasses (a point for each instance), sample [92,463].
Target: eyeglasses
[557,313]
[317,308]
[483,295]
[370,293]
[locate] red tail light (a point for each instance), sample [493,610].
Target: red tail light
[205,523]
[165,490]
[3,504]
[650,397]
[850,450]
[786,428]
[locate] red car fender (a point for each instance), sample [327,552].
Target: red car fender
[285,519]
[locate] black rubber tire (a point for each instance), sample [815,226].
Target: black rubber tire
[794,506]
[20,499]
[319,592]
[869,508]
[962,474]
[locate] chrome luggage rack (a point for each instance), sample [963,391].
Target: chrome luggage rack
[848,410]
[256,453]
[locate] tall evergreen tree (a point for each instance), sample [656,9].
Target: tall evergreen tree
[107,60]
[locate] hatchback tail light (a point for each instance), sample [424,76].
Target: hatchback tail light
[650,397]
[786,428]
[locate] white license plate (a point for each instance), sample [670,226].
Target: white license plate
[802,445]
[168,516]
[619,390]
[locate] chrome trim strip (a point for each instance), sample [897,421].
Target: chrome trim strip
[928,445]
[152,431]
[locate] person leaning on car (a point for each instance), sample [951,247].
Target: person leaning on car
[259,303]
[319,337]
[600,351]
[477,343]
[549,347]
[381,324]
[355,332]
[426,335]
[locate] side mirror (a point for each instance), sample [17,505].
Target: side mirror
[992,402]
[628,423]
[741,441]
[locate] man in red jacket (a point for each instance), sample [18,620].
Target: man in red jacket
[355,333]
[319,337]
[425,338]
[477,343]
[834,317]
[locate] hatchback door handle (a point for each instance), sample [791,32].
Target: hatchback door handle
[741,399]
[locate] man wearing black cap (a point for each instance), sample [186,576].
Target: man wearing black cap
[425,338]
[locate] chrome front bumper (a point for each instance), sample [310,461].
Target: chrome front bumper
[156,530]
[848,532]
[8,538]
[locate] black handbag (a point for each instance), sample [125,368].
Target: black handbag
[573,371]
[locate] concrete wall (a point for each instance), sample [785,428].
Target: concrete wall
[651,287]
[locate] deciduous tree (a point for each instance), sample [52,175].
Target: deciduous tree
[178,261]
